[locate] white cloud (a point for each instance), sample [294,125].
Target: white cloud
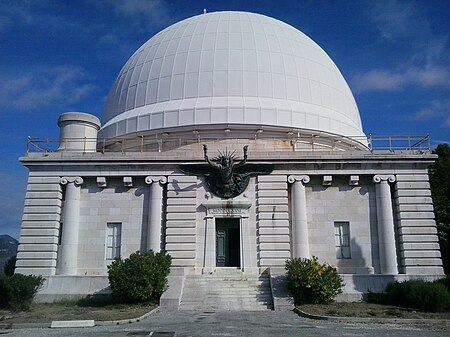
[13,12]
[439,110]
[43,87]
[425,64]
[144,12]
[28,13]
[393,80]
[432,52]
[395,19]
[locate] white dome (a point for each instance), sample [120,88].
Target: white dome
[230,68]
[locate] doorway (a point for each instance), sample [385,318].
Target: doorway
[228,243]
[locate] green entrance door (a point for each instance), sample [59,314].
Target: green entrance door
[227,243]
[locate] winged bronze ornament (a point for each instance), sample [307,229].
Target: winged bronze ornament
[224,175]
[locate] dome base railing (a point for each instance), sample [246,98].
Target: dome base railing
[163,142]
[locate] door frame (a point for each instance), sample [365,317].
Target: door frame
[231,228]
[238,209]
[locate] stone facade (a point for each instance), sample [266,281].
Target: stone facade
[290,213]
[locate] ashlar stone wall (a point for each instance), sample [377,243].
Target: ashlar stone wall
[38,245]
[274,246]
[417,233]
[181,220]
[342,202]
[114,203]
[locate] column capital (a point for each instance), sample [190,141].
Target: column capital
[77,181]
[153,179]
[389,178]
[303,178]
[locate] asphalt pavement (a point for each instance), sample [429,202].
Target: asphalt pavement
[239,324]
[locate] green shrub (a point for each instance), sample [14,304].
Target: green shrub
[312,282]
[445,281]
[17,291]
[418,294]
[139,278]
[378,298]
[10,265]
[96,301]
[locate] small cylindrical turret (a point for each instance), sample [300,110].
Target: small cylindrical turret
[78,132]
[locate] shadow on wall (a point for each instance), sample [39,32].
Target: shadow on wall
[356,264]
[143,191]
[58,288]
[373,227]
[363,280]
[178,189]
[264,295]
[358,286]
[282,299]
[359,277]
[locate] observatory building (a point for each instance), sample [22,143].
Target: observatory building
[232,142]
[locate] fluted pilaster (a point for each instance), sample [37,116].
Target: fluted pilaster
[68,254]
[300,243]
[385,223]
[155,208]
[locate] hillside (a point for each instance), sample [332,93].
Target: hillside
[8,248]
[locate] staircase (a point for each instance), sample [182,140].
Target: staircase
[226,290]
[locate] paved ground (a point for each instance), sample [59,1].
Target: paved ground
[230,324]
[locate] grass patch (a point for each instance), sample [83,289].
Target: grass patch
[372,310]
[71,310]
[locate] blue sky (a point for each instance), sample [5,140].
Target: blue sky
[58,56]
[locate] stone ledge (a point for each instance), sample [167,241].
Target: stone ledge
[73,324]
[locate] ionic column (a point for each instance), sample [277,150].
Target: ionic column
[300,243]
[385,222]
[155,216]
[67,260]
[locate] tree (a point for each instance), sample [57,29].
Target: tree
[440,190]
[10,265]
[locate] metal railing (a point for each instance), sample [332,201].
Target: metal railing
[161,143]
[400,144]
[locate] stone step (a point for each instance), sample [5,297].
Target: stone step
[241,291]
[206,287]
[230,290]
[227,303]
[224,287]
[226,298]
[226,280]
[222,281]
[227,271]
[226,306]
[219,287]
[227,289]
[249,292]
[229,279]
[228,283]
[224,303]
